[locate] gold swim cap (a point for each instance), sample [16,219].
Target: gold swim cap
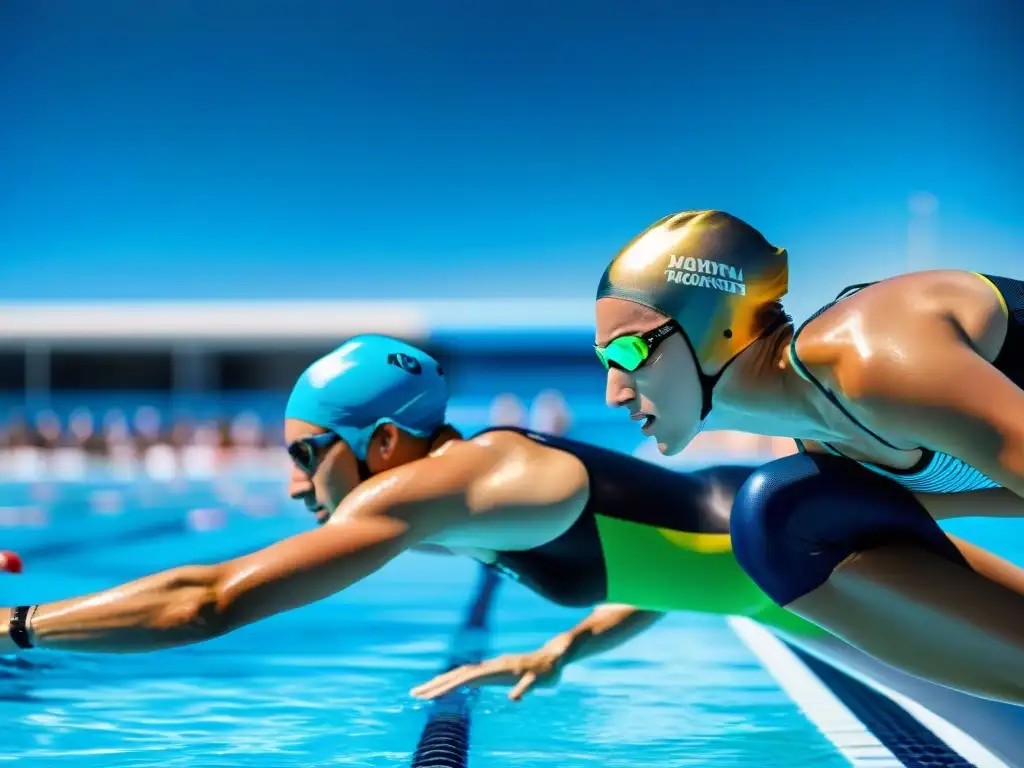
[712,273]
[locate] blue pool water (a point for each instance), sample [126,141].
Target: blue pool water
[328,685]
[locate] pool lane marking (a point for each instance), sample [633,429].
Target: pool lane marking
[833,718]
[813,695]
[956,738]
[444,741]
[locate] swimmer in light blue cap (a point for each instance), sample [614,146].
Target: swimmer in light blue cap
[366,383]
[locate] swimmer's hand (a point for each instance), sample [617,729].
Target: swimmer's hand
[608,626]
[523,671]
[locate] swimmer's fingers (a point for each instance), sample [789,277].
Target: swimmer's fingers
[437,684]
[523,671]
[493,671]
[525,683]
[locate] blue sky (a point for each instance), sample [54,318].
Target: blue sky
[398,148]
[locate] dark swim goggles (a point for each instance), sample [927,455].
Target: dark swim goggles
[307,452]
[630,352]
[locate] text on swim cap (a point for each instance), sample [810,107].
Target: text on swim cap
[705,273]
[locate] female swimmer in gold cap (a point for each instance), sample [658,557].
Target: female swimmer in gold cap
[906,398]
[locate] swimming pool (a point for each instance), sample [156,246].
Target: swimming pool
[328,685]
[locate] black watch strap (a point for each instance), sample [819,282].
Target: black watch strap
[18,627]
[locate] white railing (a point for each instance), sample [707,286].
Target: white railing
[228,322]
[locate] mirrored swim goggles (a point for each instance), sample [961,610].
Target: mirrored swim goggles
[629,353]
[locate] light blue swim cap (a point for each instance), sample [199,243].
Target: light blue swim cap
[368,381]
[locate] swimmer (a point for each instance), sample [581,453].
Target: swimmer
[377,464]
[905,398]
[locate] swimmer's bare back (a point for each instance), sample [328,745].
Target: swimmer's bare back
[499,490]
[910,358]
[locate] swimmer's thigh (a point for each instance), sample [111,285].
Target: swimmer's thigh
[859,556]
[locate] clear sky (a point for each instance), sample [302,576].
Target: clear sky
[401,148]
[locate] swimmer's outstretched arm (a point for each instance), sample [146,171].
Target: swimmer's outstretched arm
[196,603]
[977,415]
[374,524]
[607,626]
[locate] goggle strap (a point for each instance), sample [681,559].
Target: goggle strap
[660,332]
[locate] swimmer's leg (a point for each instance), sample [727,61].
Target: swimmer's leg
[859,556]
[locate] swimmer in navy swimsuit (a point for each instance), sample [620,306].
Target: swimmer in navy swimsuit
[906,399]
[375,461]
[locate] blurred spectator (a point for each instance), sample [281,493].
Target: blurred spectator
[147,425]
[68,459]
[82,433]
[24,455]
[48,430]
[121,450]
[245,433]
[116,432]
[507,410]
[182,431]
[160,462]
[199,459]
[223,437]
[550,413]
[273,436]
[18,433]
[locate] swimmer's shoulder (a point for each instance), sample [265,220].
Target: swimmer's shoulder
[508,457]
[522,494]
[504,442]
[899,321]
[497,474]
